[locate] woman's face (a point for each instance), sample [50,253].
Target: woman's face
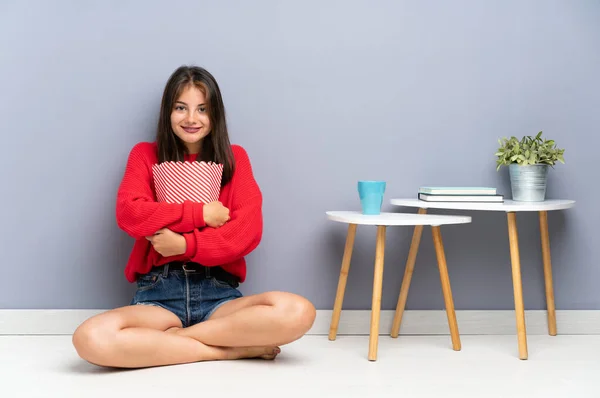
[189,118]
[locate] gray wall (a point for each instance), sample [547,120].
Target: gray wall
[321,94]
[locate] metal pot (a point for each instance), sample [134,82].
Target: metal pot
[528,183]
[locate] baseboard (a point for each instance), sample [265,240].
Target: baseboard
[434,322]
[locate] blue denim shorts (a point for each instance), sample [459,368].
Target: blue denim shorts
[191,295]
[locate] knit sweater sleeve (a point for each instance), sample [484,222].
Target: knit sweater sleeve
[242,233]
[138,213]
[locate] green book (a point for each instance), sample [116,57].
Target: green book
[458,190]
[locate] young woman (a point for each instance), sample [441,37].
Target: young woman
[188,258]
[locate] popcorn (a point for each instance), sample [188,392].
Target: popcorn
[175,182]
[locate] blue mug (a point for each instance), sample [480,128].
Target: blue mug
[371,196]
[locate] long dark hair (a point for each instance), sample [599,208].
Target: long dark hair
[215,146]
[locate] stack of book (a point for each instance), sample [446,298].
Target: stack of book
[460,194]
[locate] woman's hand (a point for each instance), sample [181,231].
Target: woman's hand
[215,214]
[168,243]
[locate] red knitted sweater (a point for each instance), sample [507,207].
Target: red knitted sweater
[140,215]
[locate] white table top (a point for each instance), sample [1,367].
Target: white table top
[356,217]
[508,205]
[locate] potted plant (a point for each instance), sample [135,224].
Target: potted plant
[528,161]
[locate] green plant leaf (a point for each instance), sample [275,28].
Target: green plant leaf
[527,150]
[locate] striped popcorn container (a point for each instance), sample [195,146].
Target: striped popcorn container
[176,182]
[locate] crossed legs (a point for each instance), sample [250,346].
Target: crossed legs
[144,336]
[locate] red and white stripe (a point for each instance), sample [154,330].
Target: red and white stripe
[176,182]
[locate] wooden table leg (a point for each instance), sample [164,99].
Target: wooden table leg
[517,285]
[548,273]
[408,272]
[446,289]
[377,287]
[339,297]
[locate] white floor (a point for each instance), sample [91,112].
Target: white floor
[411,366]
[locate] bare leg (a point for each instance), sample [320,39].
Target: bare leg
[134,337]
[267,319]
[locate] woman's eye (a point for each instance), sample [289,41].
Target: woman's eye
[202,109]
[179,108]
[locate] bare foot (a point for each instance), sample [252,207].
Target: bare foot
[268,353]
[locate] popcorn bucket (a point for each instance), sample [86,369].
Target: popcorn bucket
[175,182]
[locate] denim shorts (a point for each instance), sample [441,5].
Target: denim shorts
[192,296]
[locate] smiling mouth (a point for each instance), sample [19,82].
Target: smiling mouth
[191,130]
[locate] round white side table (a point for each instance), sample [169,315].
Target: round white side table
[382,221]
[510,207]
